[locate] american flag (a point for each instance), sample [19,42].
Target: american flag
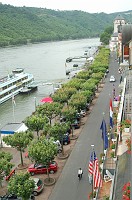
[94,170]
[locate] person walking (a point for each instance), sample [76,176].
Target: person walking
[80,173]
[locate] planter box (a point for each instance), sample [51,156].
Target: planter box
[114,158]
[127,130]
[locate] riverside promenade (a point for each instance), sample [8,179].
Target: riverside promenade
[68,187]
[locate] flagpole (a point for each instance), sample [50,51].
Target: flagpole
[103,139]
[13,111]
[92,146]
[13,107]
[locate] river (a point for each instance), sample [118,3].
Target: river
[46,61]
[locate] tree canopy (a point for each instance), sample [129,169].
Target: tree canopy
[21,185]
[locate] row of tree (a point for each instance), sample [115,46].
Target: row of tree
[67,101]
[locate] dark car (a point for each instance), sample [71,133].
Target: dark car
[66,139]
[76,124]
[41,169]
[14,197]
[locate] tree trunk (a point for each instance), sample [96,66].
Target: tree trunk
[21,157]
[38,134]
[48,174]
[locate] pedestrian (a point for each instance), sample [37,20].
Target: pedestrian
[121,79]
[80,173]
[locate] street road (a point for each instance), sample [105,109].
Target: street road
[68,187]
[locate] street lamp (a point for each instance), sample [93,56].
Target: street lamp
[35,103]
[0,138]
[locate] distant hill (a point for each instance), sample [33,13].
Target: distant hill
[20,25]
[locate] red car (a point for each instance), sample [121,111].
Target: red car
[41,169]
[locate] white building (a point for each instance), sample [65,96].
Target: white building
[10,129]
[118,22]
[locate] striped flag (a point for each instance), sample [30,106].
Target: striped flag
[90,168]
[111,114]
[94,170]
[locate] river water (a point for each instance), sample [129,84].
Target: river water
[46,61]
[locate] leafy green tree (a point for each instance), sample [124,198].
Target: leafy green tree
[70,114]
[50,110]
[78,101]
[60,97]
[21,185]
[43,151]
[83,75]
[36,123]
[57,131]
[88,85]
[5,164]
[105,36]
[19,141]
[88,94]
[76,83]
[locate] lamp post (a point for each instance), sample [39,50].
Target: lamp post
[92,146]
[35,103]
[0,138]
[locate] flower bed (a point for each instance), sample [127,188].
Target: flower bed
[126,191]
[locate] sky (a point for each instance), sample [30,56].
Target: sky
[91,6]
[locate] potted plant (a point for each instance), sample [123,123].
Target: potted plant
[102,156]
[113,156]
[128,143]
[113,147]
[126,124]
[92,195]
[126,191]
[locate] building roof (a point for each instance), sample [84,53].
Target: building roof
[119,17]
[11,128]
[126,33]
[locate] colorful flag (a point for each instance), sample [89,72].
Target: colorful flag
[111,114]
[13,100]
[94,170]
[90,168]
[104,134]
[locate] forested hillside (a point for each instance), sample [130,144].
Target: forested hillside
[19,25]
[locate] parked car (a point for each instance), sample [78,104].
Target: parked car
[76,124]
[59,147]
[82,113]
[41,169]
[10,197]
[112,79]
[39,186]
[14,197]
[107,71]
[66,139]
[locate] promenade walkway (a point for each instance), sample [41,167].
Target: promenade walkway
[68,187]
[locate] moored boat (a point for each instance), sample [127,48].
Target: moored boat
[12,84]
[69,59]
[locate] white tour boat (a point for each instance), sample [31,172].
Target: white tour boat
[12,84]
